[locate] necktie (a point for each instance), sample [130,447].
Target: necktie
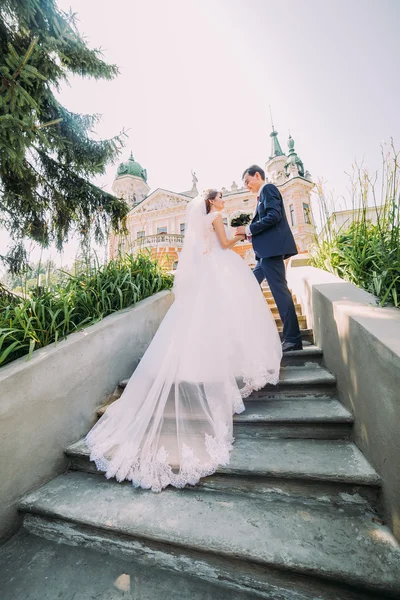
[255,211]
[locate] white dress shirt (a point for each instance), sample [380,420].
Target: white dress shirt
[248,232]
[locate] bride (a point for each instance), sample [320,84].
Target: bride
[218,342]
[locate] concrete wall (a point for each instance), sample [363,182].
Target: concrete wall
[361,345]
[50,401]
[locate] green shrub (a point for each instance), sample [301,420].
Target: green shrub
[366,253]
[49,315]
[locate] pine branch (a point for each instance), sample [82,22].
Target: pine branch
[25,59]
[8,83]
[48,153]
[55,122]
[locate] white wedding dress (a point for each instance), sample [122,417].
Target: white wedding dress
[218,342]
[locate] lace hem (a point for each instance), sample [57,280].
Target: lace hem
[238,406]
[253,383]
[157,474]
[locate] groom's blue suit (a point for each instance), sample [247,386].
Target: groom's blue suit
[273,241]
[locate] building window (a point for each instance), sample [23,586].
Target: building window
[140,234]
[292,215]
[182,228]
[175,265]
[161,230]
[306,212]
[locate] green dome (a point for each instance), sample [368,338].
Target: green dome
[131,167]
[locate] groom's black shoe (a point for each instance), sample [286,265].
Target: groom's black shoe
[290,346]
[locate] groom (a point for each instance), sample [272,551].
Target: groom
[273,242]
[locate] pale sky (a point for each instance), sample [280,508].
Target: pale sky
[198,76]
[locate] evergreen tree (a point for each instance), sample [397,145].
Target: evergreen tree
[47,155]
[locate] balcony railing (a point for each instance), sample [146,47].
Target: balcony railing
[160,240]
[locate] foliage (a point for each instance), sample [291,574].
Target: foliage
[47,154]
[42,273]
[363,252]
[49,315]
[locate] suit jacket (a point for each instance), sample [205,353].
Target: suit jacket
[270,231]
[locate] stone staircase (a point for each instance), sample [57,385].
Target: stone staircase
[307,334]
[294,516]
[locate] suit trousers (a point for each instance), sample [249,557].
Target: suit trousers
[273,270]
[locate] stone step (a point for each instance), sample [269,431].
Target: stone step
[307,381]
[299,418]
[316,471]
[279,550]
[307,335]
[272,304]
[275,312]
[265,287]
[269,297]
[299,381]
[310,355]
[309,376]
[313,418]
[301,318]
[33,568]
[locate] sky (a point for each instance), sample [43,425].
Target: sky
[197,78]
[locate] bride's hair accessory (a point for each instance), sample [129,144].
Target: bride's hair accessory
[209,194]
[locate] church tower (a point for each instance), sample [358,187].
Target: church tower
[275,166]
[131,182]
[295,185]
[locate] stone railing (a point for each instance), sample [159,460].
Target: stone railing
[159,240]
[361,346]
[50,401]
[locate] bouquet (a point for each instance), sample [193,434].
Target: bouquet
[240,218]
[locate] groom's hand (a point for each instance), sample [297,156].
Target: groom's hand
[241,230]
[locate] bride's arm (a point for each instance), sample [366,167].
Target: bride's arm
[219,227]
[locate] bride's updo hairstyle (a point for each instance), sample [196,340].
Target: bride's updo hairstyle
[208,196]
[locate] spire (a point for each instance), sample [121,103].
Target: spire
[276,149]
[131,157]
[293,159]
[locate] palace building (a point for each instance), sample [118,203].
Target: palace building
[156,220]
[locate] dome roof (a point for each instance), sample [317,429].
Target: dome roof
[131,167]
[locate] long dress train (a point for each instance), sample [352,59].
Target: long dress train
[218,342]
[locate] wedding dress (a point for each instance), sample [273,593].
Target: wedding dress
[218,342]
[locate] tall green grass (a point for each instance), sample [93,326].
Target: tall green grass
[366,251]
[49,315]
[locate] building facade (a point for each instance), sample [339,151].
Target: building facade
[156,221]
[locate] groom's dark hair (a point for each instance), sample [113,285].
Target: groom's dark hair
[253,170]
